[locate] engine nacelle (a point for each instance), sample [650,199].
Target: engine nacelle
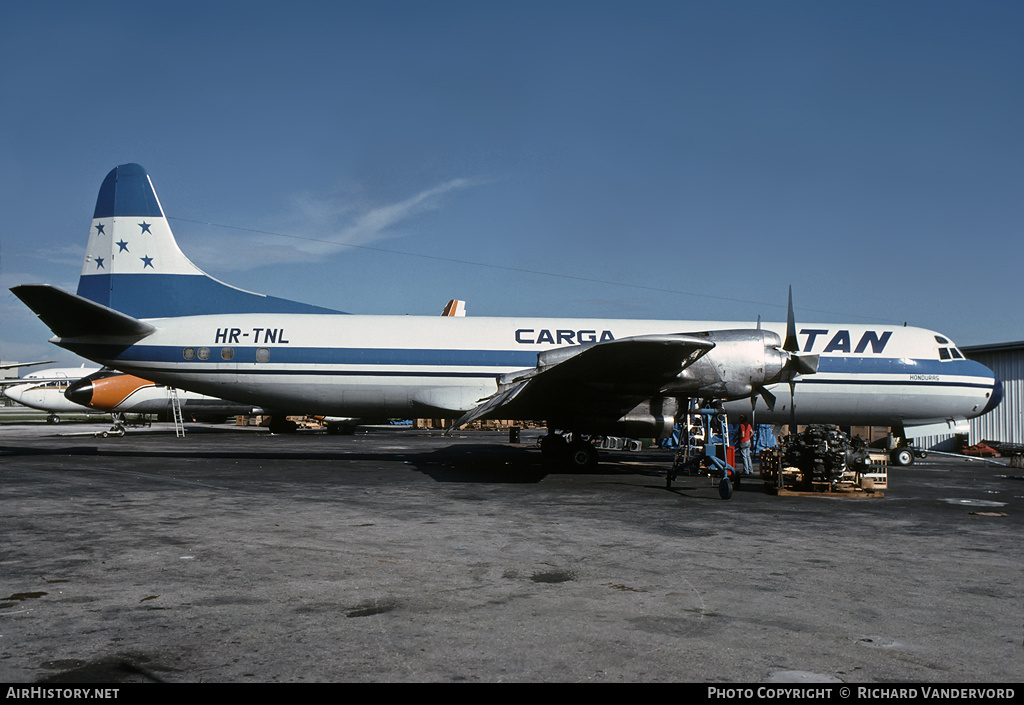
[741,363]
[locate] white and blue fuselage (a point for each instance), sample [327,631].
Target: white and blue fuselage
[373,366]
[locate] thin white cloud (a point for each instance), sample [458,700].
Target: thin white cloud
[318,225]
[377,223]
[60,258]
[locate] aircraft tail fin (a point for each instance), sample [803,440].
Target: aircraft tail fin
[455,307]
[134,265]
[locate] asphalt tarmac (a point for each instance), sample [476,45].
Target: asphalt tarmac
[394,555]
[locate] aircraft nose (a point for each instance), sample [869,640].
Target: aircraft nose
[80,392]
[997,395]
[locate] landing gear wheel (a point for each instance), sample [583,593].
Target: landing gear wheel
[53,418]
[725,488]
[902,457]
[582,455]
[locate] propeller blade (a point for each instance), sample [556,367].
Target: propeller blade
[769,399]
[792,409]
[799,363]
[804,364]
[791,344]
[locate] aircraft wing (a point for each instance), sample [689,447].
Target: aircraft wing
[599,378]
[22,380]
[12,365]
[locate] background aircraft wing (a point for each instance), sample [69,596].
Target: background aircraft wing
[12,365]
[596,378]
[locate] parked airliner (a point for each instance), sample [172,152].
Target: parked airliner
[44,390]
[143,307]
[119,393]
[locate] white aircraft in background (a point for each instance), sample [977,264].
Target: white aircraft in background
[119,393]
[144,308]
[44,390]
[91,390]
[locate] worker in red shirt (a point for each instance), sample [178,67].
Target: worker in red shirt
[746,438]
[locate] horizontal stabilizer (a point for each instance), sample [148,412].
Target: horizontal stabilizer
[72,316]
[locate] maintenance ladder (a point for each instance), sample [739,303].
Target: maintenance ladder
[179,424]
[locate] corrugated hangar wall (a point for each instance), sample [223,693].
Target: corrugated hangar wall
[1006,422]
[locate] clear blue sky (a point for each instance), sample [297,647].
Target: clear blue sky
[701,155]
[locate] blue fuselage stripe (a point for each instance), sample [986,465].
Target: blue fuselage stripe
[325,356]
[490,363]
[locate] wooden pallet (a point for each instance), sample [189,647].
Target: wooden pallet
[870,484]
[852,493]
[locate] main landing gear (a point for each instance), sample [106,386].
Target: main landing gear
[578,453]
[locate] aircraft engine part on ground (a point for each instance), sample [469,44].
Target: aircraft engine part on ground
[824,454]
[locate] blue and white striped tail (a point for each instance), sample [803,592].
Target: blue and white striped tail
[133,264]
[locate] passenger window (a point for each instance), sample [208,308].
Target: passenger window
[189,353]
[227,353]
[203,353]
[262,355]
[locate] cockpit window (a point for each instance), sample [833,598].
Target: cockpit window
[947,349]
[950,353]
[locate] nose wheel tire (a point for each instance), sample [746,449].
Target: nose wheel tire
[902,457]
